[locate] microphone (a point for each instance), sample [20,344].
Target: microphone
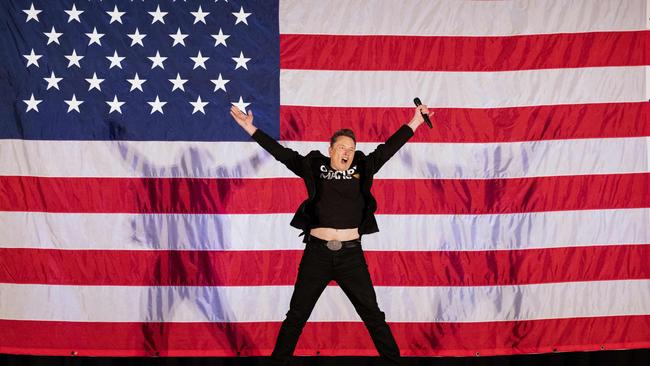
[418,103]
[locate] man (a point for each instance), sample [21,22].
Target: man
[339,210]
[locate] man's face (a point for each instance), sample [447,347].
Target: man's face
[341,153]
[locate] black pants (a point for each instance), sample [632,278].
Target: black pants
[348,268]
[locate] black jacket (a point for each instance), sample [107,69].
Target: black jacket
[307,167]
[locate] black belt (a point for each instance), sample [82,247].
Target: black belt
[335,245]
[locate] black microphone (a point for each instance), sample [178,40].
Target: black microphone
[418,103]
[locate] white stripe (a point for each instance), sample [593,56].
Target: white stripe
[458,18]
[272,232]
[462,89]
[647,80]
[518,159]
[413,161]
[270,303]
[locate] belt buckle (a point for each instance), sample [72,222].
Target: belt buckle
[334,245]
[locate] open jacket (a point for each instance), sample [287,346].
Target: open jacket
[307,168]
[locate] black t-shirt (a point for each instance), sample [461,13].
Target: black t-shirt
[339,203]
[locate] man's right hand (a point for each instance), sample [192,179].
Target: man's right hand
[243,119]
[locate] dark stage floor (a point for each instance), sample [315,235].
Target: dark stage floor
[603,358]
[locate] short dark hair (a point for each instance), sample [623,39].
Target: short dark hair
[342,132]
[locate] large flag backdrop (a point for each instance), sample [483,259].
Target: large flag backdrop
[137,219]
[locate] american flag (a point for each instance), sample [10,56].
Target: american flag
[136,218]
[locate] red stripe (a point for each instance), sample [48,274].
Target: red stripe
[301,123]
[440,53]
[283,195]
[279,267]
[325,338]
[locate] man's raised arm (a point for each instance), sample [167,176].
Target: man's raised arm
[385,151]
[290,158]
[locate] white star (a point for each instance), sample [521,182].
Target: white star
[73,104]
[116,105]
[178,82]
[116,15]
[241,105]
[94,82]
[32,103]
[32,58]
[178,37]
[95,37]
[53,81]
[199,15]
[32,13]
[157,61]
[241,16]
[136,82]
[199,60]
[198,105]
[73,14]
[74,59]
[158,15]
[219,83]
[136,38]
[157,105]
[220,38]
[241,61]
[115,60]
[53,36]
